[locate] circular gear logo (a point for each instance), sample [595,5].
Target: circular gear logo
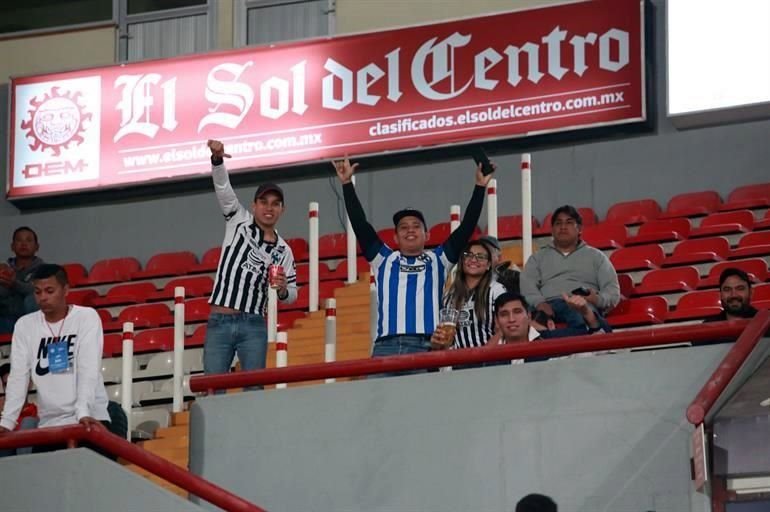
[56,121]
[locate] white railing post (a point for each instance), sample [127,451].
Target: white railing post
[272,314]
[330,334]
[526,206]
[313,264]
[127,379]
[281,354]
[352,262]
[178,397]
[373,309]
[454,217]
[492,208]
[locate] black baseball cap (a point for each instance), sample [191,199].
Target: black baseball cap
[490,242]
[408,212]
[268,187]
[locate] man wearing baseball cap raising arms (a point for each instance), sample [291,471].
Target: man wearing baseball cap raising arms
[409,278]
[254,257]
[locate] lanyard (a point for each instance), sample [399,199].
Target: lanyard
[61,327]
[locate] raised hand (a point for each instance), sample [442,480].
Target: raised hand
[217,149]
[482,180]
[344,169]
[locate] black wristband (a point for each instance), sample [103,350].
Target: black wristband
[217,160]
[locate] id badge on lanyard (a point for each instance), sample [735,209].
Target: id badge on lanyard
[58,352]
[58,357]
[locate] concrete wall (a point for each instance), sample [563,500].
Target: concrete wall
[599,434]
[595,172]
[79,481]
[55,52]
[362,15]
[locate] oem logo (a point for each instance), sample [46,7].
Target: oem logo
[56,121]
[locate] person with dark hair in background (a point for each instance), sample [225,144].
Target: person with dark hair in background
[536,503]
[505,272]
[254,258]
[735,296]
[513,320]
[409,279]
[568,266]
[16,291]
[60,348]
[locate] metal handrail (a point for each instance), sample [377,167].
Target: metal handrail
[115,445]
[733,360]
[549,348]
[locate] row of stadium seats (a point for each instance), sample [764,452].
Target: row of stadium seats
[627,259]
[150,392]
[733,216]
[652,310]
[141,293]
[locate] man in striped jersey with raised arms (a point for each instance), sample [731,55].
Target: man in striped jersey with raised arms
[409,279]
[239,300]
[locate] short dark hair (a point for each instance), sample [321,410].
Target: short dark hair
[24,228]
[570,211]
[47,270]
[536,503]
[505,298]
[733,271]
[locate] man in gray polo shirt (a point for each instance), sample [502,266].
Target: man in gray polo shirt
[568,265]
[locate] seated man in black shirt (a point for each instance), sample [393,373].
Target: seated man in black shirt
[735,296]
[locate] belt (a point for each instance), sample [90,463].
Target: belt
[424,337]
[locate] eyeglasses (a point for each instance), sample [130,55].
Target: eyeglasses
[568,222]
[478,256]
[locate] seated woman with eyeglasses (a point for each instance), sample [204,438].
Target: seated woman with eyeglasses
[472,294]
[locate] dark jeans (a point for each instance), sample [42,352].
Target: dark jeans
[576,324]
[8,319]
[226,335]
[398,345]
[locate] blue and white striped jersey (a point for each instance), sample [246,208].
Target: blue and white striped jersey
[409,290]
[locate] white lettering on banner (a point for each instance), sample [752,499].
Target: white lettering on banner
[136,101]
[169,104]
[553,41]
[341,86]
[365,78]
[579,51]
[227,92]
[533,65]
[363,83]
[605,62]
[327,85]
[443,56]
[281,88]
[394,93]
[487,56]
[298,78]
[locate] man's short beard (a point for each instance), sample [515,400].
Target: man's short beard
[738,311]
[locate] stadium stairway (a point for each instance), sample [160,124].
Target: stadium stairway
[306,345]
[171,443]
